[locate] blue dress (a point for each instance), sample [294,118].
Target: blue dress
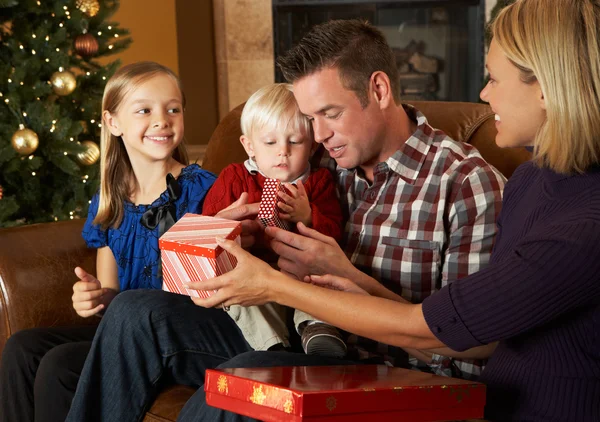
[134,246]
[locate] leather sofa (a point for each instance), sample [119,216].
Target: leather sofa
[37,261]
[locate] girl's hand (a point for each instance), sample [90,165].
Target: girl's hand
[296,207]
[87,294]
[335,283]
[248,284]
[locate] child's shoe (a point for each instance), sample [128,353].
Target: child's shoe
[323,339]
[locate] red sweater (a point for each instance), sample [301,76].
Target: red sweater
[320,188]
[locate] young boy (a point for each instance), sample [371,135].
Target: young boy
[279,143]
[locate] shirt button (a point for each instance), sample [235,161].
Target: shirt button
[437,329]
[372,195]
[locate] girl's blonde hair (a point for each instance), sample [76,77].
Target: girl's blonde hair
[556,43]
[273,107]
[116,173]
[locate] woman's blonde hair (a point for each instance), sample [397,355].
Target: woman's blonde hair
[273,107]
[116,173]
[556,43]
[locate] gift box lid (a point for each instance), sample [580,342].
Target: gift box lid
[196,235]
[319,392]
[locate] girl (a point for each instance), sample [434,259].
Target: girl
[146,185]
[536,308]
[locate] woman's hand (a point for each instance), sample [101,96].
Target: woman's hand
[248,284]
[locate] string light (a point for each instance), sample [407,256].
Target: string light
[71,139]
[33,173]
[57,49]
[53,122]
[33,52]
[88,73]
[21,83]
[92,121]
[31,157]
[116,35]
[39,3]
[110,47]
[60,24]
[1,94]
[24,114]
[47,37]
[32,35]
[55,218]
[104,78]
[21,46]
[65,7]
[99,33]
[47,60]
[65,152]
[60,69]
[6,101]
[70,212]
[9,80]
[110,27]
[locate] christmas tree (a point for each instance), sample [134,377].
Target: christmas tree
[51,87]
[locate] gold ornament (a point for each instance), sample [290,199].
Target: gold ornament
[90,155]
[25,141]
[89,7]
[63,83]
[86,45]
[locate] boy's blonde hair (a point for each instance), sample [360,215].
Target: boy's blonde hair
[273,107]
[556,43]
[116,173]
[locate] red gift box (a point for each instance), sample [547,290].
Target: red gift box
[189,252]
[343,393]
[268,214]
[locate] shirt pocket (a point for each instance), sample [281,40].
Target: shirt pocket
[414,264]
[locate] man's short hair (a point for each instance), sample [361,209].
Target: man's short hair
[356,48]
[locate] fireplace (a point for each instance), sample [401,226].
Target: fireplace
[439,45]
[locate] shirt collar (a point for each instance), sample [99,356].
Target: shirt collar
[252,168]
[409,158]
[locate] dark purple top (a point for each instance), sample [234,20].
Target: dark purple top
[539,297]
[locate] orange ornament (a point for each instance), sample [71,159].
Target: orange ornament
[86,45]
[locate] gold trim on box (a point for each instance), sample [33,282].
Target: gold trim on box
[258,396]
[222,384]
[288,406]
[331,403]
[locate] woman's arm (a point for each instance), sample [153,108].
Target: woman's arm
[254,282]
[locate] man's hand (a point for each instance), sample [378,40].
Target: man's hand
[87,294]
[296,207]
[335,283]
[309,252]
[246,213]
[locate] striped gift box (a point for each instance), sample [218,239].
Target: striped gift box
[268,214]
[190,253]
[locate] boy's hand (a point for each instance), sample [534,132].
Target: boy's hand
[296,207]
[87,294]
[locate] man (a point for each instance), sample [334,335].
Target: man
[421,211]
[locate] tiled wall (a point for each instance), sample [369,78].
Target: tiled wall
[243,49]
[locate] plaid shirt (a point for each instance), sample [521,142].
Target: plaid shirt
[428,218]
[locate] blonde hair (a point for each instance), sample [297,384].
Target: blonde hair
[556,43]
[273,107]
[116,173]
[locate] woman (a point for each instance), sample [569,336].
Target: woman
[540,297]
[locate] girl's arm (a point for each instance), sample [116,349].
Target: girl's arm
[91,295]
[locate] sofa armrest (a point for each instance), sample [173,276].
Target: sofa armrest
[36,275]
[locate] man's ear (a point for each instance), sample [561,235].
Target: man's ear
[111,122]
[247,143]
[381,89]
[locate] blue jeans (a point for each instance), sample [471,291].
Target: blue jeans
[148,339]
[196,409]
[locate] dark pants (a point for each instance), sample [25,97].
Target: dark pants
[39,371]
[197,410]
[148,339]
